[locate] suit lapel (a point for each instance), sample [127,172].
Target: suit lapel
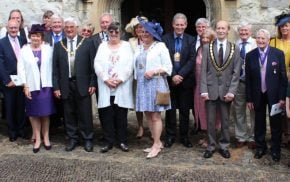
[269,62]
[10,48]
[215,51]
[172,44]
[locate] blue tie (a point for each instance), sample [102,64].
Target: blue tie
[56,38]
[243,56]
[178,44]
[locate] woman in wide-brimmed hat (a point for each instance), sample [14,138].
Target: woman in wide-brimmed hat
[35,70]
[152,65]
[282,42]
[135,28]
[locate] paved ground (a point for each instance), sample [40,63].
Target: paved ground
[18,163]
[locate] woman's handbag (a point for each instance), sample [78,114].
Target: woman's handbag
[162,98]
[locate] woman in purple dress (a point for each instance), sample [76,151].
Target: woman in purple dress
[35,71]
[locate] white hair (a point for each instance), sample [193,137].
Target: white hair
[244,25]
[203,21]
[266,32]
[179,16]
[71,20]
[106,14]
[56,16]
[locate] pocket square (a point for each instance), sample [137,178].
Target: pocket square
[274,63]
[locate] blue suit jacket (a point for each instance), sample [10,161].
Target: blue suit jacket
[8,61]
[276,79]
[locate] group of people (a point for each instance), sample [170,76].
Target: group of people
[55,68]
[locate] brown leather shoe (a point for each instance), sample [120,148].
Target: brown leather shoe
[251,145]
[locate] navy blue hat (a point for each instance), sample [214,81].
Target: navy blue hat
[153,28]
[282,19]
[36,28]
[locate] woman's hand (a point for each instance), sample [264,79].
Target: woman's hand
[27,93]
[149,74]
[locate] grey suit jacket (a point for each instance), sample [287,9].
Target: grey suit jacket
[218,84]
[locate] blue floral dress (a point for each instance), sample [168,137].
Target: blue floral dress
[147,88]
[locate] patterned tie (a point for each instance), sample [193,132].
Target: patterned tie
[221,55]
[16,48]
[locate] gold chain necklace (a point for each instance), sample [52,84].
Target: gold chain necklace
[221,68]
[72,53]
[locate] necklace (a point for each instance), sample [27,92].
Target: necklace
[72,53]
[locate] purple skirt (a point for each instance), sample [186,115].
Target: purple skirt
[41,104]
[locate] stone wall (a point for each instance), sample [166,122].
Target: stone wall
[33,9]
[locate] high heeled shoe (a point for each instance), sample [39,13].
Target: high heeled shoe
[35,150]
[147,150]
[153,153]
[47,147]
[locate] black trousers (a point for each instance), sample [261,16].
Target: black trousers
[14,111]
[260,126]
[78,114]
[182,99]
[114,122]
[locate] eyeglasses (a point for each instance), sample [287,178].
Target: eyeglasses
[87,30]
[114,31]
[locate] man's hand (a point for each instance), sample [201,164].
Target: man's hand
[177,79]
[57,94]
[10,84]
[92,90]
[229,97]
[250,105]
[282,104]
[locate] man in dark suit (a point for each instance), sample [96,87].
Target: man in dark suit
[105,20]
[220,73]
[266,84]
[181,82]
[13,94]
[74,82]
[56,34]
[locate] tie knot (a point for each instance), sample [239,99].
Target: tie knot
[221,45]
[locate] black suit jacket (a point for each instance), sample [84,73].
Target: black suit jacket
[96,39]
[8,60]
[84,68]
[187,62]
[276,79]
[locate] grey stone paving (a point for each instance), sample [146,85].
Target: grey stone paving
[18,163]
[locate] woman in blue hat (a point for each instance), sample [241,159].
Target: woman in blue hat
[282,42]
[152,65]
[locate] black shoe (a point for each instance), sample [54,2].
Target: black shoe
[208,154]
[185,142]
[35,150]
[225,153]
[124,147]
[47,147]
[12,139]
[106,148]
[71,145]
[276,156]
[169,142]
[88,146]
[259,154]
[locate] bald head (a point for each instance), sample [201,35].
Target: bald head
[13,27]
[222,29]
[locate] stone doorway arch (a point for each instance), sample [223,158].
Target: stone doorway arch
[213,9]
